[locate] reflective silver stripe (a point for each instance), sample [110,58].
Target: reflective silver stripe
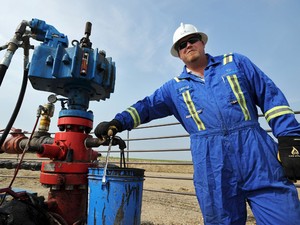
[191,107]
[177,79]
[227,58]
[278,111]
[236,88]
[135,116]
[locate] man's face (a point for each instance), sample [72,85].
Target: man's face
[190,48]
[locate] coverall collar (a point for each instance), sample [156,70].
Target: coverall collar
[211,62]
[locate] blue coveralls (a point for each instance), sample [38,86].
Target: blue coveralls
[234,159]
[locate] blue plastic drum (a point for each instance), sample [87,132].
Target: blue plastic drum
[118,200]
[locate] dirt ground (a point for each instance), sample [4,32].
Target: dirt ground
[157,208]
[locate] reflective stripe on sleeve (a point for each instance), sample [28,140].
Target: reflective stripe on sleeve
[236,88]
[135,116]
[278,111]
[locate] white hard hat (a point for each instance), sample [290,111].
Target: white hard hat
[182,31]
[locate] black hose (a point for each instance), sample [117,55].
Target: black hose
[3,69]
[17,108]
[26,47]
[26,165]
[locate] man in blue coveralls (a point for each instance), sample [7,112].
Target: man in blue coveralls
[235,160]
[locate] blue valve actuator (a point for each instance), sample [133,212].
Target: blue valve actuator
[69,71]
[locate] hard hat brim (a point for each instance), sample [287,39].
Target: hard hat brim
[204,38]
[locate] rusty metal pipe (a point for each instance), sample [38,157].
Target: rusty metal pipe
[37,142]
[96,142]
[93,142]
[17,141]
[11,145]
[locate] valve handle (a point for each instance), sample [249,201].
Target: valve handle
[106,161]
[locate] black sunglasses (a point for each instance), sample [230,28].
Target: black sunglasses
[191,40]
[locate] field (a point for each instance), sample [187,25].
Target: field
[158,208]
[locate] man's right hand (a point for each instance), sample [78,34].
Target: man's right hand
[108,128]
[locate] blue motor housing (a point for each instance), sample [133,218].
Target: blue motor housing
[59,70]
[79,73]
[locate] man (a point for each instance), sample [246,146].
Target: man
[235,160]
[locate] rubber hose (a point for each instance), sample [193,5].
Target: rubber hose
[16,109]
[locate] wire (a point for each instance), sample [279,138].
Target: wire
[23,153]
[22,157]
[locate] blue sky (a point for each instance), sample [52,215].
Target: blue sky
[137,34]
